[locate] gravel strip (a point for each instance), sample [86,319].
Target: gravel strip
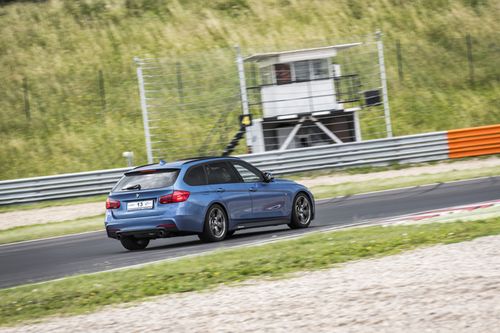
[445,288]
[413,171]
[50,214]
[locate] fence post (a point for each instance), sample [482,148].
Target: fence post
[180,85]
[102,92]
[470,61]
[27,109]
[144,108]
[400,60]
[383,79]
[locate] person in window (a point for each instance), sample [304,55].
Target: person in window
[283,74]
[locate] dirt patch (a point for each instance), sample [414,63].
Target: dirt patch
[445,288]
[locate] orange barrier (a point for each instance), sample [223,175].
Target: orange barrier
[474,141]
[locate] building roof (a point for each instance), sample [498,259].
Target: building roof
[302,54]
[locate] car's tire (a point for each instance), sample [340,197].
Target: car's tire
[301,212]
[134,244]
[216,225]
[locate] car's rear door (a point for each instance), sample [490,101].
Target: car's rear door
[235,194]
[268,200]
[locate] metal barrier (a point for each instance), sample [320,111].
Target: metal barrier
[63,186]
[474,141]
[406,149]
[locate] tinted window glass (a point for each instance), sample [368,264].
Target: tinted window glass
[196,176]
[283,74]
[320,68]
[221,173]
[301,71]
[248,175]
[145,181]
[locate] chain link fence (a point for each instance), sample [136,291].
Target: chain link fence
[93,113]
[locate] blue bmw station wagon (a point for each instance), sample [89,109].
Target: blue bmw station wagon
[210,197]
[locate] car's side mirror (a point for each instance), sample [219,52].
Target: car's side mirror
[268,177]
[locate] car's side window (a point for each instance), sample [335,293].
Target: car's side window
[249,175]
[221,173]
[196,176]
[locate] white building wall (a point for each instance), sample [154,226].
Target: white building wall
[296,98]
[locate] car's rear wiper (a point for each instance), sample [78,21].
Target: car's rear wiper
[132,187]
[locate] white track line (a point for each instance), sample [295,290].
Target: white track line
[403,188]
[49,238]
[371,222]
[255,243]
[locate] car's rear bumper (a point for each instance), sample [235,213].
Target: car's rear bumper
[159,231]
[153,226]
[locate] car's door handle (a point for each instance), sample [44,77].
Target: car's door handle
[220,189]
[252,189]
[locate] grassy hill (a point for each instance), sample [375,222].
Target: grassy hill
[68,94]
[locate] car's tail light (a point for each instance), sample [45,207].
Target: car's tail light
[112,204]
[176,196]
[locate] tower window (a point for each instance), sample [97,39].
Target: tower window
[283,73]
[301,71]
[319,69]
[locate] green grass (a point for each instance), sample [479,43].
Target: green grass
[343,189]
[60,45]
[51,229]
[53,203]
[86,293]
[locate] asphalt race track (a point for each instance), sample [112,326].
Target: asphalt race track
[92,252]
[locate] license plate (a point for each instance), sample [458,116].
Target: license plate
[140,205]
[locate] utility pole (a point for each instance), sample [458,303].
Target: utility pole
[383,79]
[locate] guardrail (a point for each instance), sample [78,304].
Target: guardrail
[63,186]
[474,141]
[405,149]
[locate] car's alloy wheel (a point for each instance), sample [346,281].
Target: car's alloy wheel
[302,212]
[215,228]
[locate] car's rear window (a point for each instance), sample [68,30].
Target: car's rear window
[146,180]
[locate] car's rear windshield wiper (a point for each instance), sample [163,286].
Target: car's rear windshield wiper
[132,187]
